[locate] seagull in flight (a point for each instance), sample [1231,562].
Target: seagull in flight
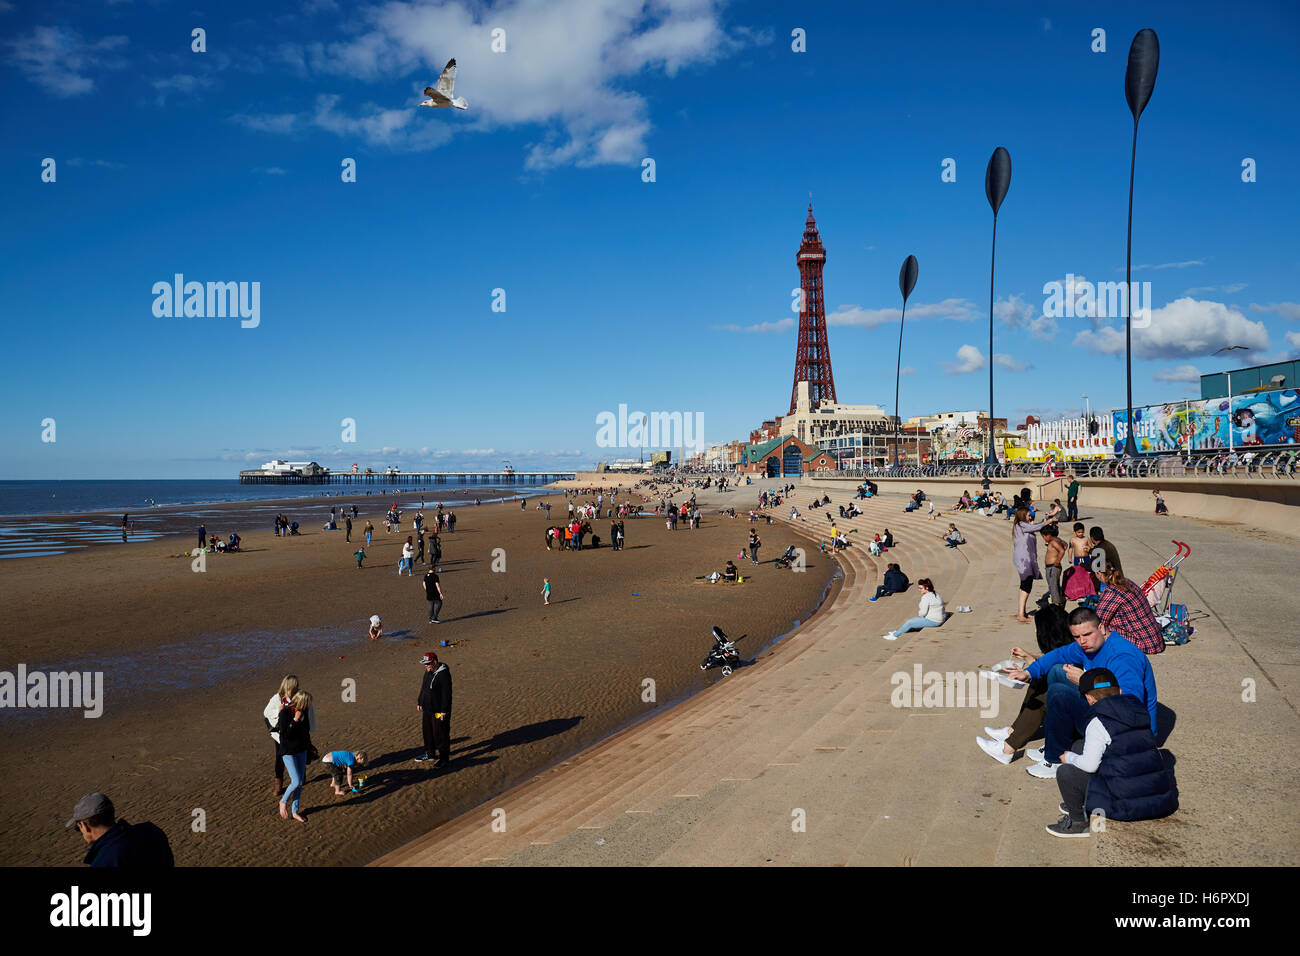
[441,95]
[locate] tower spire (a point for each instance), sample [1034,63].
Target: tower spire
[812,360]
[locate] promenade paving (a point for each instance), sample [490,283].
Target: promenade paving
[802,759]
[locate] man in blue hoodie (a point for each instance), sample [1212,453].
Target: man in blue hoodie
[895,583]
[1116,770]
[1067,712]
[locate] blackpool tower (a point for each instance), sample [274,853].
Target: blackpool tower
[812,358]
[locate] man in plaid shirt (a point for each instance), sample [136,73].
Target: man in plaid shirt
[1123,607]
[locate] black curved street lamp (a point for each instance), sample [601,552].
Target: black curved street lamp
[1139,83]
[906,283]
[997,180]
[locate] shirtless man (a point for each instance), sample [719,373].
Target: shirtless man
[1055,552]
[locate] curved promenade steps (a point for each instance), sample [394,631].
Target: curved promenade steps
[802,758]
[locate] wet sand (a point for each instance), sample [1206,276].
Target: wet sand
[190,659]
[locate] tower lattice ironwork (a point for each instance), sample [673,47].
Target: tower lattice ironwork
[812,359]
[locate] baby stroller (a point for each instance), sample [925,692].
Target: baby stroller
[723,654]
[1159,589]
[787,558]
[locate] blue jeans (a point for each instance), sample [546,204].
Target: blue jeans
[296,764]
[1067,714]
[915,624]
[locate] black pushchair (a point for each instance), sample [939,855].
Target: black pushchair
[787,558]
[723,654]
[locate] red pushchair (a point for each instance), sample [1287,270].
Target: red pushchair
[1159,590]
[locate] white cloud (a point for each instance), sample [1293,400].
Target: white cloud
[960,310]
[1183,373]
[1230,289]
[1185,328]
[104,163]
[971,359]
[180,83]
[1288,310]
[1168,265]
[1016,314]
[1293,340]
[60,60]
[907,370]
[566,67]
[780,325]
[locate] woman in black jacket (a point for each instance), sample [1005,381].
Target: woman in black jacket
[295,741]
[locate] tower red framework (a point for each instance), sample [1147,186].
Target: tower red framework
[812,358]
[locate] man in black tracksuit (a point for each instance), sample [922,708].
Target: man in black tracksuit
[434,705]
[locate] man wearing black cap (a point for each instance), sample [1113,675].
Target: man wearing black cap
[434,705]
[115,842]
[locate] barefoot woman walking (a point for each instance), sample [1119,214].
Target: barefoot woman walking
[1024,555]
[295,742]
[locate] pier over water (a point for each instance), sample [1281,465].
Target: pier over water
[491,478]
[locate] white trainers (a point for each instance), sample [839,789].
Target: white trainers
[1043,771]
[891,636]
[1035,754]
[1000,734]
[994,749]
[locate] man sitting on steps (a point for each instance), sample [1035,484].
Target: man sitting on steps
[1067,713]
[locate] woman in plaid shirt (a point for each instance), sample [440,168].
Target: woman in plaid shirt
[1123,607]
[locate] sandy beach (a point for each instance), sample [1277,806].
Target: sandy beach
[189,660]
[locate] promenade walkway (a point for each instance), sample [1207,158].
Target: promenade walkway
[808,732]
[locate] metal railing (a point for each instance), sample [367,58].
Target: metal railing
[1270,464]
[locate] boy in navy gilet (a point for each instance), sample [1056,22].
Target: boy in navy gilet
[1117,769]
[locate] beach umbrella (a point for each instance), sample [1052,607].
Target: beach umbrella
[906,283]
[1139,83]
[997,180]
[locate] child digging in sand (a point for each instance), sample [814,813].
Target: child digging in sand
[340,763]
[546,591]
[376,627]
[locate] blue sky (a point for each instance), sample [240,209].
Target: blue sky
[376,296]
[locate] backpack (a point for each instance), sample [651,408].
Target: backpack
[1174,627]
[1078,583]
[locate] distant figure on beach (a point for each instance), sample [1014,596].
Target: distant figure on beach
[360,555]
[419,551]
[451,522]
[295,742]
[432,594]
[546,591]
[203,536]
[347,519]
[434,705]
[370,530]
[755,542]
[408,557]
[1161,507]
[114,842]
[376,627]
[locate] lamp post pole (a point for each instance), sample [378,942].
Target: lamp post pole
[906,283]
[997,180]
[1139,83]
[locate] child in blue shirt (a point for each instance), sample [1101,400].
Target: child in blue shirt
[340,763]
